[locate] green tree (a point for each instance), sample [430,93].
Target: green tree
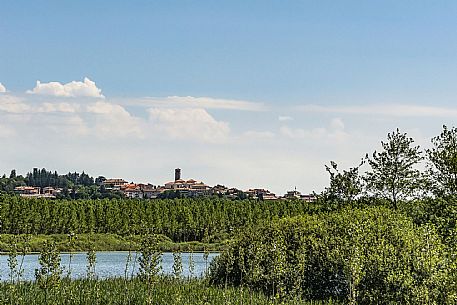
[442,167]
[344,185]
[150,257]
[393,174]
[48,276]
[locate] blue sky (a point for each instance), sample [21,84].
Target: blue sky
[276,88]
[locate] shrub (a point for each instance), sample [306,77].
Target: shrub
[365,256]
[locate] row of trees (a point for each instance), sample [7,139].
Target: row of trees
[180,219]
[394,171]
[44,178]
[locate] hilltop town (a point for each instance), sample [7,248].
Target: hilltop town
[177,188]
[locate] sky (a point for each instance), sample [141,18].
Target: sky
[241,93]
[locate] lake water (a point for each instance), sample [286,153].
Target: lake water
[108,264]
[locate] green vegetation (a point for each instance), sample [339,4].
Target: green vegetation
[365,256]
[443,163]
[99,242]
[181,220]
[393,172]
[381,245]
[165,291]
[388,236]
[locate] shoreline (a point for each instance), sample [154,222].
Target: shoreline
[100,242]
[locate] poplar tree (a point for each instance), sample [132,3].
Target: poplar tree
[345,185]
[442,167]
[393,174]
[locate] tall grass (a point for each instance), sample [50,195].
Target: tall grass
[166,290]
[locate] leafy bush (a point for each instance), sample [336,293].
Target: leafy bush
[365,256]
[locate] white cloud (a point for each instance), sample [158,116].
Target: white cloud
[337,123]
[259,134]
[59,125]
[396,110]
[12,104]
[59,107]
[87,88]
[282,118]
[335,132]
[194,102]
[189,124]
[299,133]
[2,88]
[113,120]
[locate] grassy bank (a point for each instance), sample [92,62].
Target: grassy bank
[99,242]
[118,291]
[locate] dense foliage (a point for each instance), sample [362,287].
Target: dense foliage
[393,174]
[364,256]
[443,162]
[179,219]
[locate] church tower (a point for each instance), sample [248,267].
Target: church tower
[177,174]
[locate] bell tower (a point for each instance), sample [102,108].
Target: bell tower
[177,174]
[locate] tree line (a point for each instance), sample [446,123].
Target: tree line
[394,174]
[182,219]
[74,185]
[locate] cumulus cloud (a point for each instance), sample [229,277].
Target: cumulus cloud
[86,88]
[113,120]
[2,88]
[395,110]
[58,125]
[108,120]
[12,104]
[58,107]
[283,118]
[194,102]
[188,124]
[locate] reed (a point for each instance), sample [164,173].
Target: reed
[167,290]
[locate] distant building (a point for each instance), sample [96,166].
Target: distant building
[262,194]
[177,174]
[131,190]
[309,197]
[27,190]
[114,184]
[189,188]
[219,190]
[35,192]
[157,192]
[297,195]
[51,191]
[293,194]
[149,191]
[139,191]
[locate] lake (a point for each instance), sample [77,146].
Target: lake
[108,264]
